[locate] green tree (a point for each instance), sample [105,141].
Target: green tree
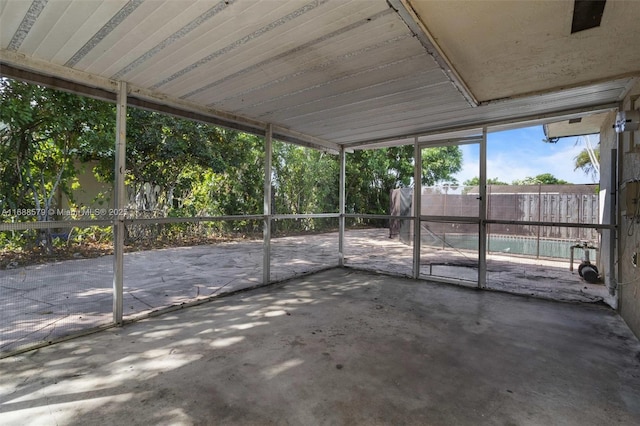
[198,167]
[305,180]
[238,189]
[440,164]
[475,181]
[167,151]
[544,179]
[372,174]
[584,162]
[43,133]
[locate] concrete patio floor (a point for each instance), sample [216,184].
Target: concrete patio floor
[340,347]
[45,302]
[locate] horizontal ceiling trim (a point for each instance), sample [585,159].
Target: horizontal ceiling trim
[44,68]
[567,87]
[191,115]
[21,67]
[57,83]
[484,123]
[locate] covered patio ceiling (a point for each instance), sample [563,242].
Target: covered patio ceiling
[331,73]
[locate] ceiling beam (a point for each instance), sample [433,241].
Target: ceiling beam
[418,28]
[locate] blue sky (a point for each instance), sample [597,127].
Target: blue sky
[516,154]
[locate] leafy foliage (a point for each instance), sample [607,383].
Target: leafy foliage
[544,179]
[583,161]
[475,181]
[372,174]
[42,132]
[304,180]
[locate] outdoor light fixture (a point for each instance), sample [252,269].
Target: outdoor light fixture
[627,121]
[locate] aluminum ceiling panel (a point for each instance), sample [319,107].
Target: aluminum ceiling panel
[412,105]
[508,110]
[139,37]
[419,89]
[287,49]
[226,34]
[326,71]
[385,75]
[341,54]
[12,14]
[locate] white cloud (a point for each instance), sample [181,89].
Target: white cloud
[512,158]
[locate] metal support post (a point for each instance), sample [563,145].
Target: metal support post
[119,202]
[417,206]
[539,218]
[266,263]
[482,237]
[613,219]
[341,220]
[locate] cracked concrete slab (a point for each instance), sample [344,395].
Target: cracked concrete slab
[44,302]
[340,347]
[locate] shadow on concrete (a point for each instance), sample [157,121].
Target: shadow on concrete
[340,347]
[43,303]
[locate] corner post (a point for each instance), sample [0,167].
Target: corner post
[268,153]
[482,231]
[417,206]
[341,220]
[119,202]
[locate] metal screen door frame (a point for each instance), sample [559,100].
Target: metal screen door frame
[480,219]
